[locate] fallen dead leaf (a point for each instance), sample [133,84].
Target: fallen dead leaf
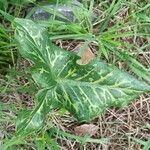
[87,55]
[89,129]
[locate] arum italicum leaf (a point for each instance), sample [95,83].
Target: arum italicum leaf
[84,90]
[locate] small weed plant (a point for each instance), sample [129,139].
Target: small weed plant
[84,90]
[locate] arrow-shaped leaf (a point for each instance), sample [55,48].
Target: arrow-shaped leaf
[84,90]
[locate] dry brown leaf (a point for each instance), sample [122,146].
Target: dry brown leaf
[87,55]
[89,129]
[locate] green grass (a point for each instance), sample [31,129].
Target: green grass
[114,28]
[7,56]
[112,43]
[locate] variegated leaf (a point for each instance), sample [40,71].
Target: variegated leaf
[84,90]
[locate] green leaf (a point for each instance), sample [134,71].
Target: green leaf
[147,145]
[30,122]
[103,49]
[3,4]
[7,16]
[51,143]
[84,90]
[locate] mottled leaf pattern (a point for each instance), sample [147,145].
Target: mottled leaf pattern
[84,90]
[31,121]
